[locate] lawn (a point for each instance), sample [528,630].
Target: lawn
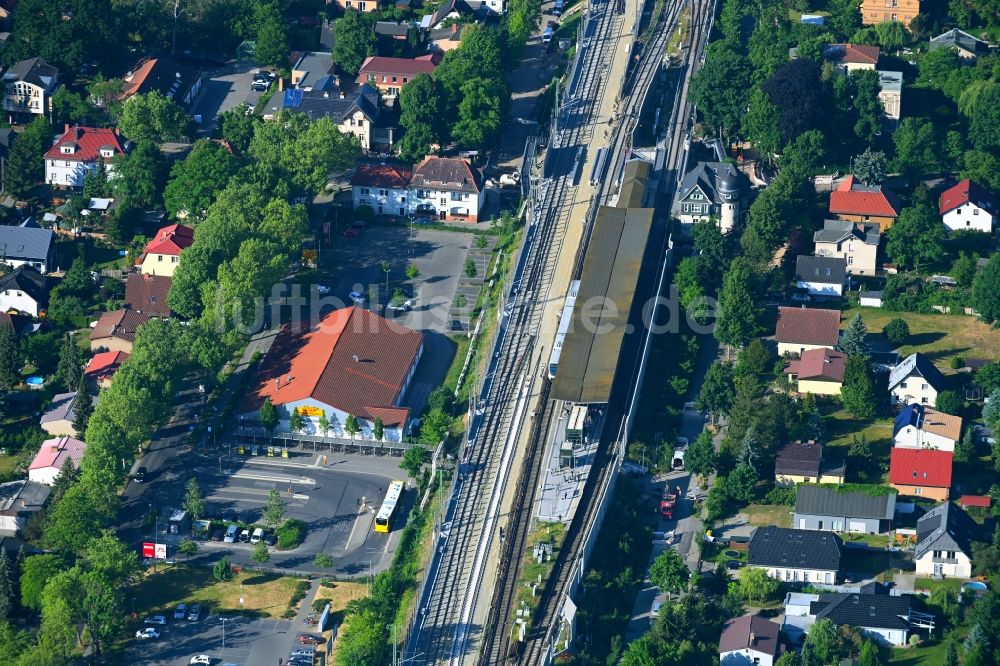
[841,429]
[264,595]
[939,337]
[769,514]
[925,654]
[340,594]
[929,585]
[7,464]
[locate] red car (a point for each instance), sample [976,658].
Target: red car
[309,639]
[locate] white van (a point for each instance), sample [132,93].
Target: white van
[258,534]
[557,8]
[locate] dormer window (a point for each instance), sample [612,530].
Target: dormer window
[68,149]
[107,152]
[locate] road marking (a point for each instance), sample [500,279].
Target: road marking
[350,536]
[254,491]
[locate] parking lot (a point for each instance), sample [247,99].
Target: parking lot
[223,89]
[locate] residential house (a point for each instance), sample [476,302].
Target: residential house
[921,472]
[59,417]
[448,188]
[29,86]
[828,508]
[24,290]
[28,246]
[801,329]
[445,38]
[852,57]
[147,294]
[874,12]
[115,330]
[162,254]
[313,70]
[749,640]
[920,427]
[795,555]
[882,617]
[915,380]
[166,76]
[968,205]
[384,186]
[19,500]
[818,371]
[78,152]
[891,95]
[821,276]
[20,324]
[397,30]
[101,368]
[966,45]
[353,363]
[855,202]
[389,75]
[713,191]
[857,244]
[802,462]
[358,5]
[944,542]
[52,456]
[487,7]
[353,113]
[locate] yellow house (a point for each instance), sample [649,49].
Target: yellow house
[880,11]
[802,462]
[818,371]
[163,254]
[800,329]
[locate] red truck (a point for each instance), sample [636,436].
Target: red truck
[667,503]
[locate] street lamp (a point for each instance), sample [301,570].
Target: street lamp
[224,632]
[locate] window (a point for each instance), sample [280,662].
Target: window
[174,259]
[383,193]
[159,257]
[937,553]
[365,191]
[394,79]
[696,196]
[895,17]
[918,491]
[951,554]
[687,208]
[975,211]
[924,387]
[850,260]
[923,401]
[838,526]
[444,201]
[850,247]
[902,385]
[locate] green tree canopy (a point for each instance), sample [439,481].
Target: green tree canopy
[916,237]
[719,88]
[854,340]
[858,391]
[153,117]
[737,318]
[353,40]
[139,175]
[196,180]
[669,572]
[24,167]
[986,291]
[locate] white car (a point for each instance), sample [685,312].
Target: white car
[357,297]
[323,290]
[201,659]
[156,619]
[148,632]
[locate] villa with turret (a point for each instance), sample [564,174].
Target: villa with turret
[713,191]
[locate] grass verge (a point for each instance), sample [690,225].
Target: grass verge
[937,336]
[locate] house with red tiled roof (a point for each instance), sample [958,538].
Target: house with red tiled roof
[148,294]
[921,472]
[968,206]
[52,456]
[818,371]
[389,75]
[103,366]
[78,152]
[800,329]
[115,330]
[384,186]
[855,202]
[353,363]
[162,254]
[852,57]
[166,76]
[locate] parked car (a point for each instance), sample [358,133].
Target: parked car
[654,610]
[303,652]
[216,534]
[257,535]
[201,659]
[156,619]
[259,85]
[231,533]
[323,290]
[148,632]
[140,475]
[195,613]
[357,298]
[309,639]
[799,297]
[405,306]
[181,612]
[270,539]
[245,536]
[422,219]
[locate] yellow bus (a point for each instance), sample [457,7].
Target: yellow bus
[383,520]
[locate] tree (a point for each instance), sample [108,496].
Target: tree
[916,237]
[139,175]
[986,291]
[8,597]
[870,167]
[322,561]
[268,415]
[412,272]
[260,554]
[858,391]
[23,167]
[153,117]
[797,91]
[67,34]
[918,149]
[378,429]
[194,503]
[756,358]
[198,178]
[323,424]
[274,509]
[951,652]
[737,319]
[756,586]
[421,105]
[237,128]
[10,359]
[351,425]
[950,402]
[717,390]
[272,34]
[295,422]
[965,450]
[718,87]
[742,483]
[891,35]
[760,124]
[480,113]
[188,548]
[700,457]
[854,341]
[83,407]
[36,572]
[669,573]
[897,331]
[964,270]
[413,460]
[353,41]
[822,644]
[860,449]
[222,570]
[470,268]
[984,124]
[69,370]
[416,143]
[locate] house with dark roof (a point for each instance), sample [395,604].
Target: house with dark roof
[448,188]
[817,371]
[58,419]
[968,206]
[353,363]
[162,254]
[166,76]
[821,276]
[313,70]
[852,57]
[793,555]
[966,45]
[389,75]
[78,152]
[883,617]
[915,380]
[920,427]
[20,324]
[921,472]
[115,330]
[147,294]
[749,640]
[26,245]
[353,113]
[826,508]
[854,201]
[801,329]
[802,462]
[19,500]
[713,191]
[24,290]
[385,186]
[856,243]
[29,86]
[944,542]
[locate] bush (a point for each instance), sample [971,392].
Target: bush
[291,534]
[322,561]
[222,570]
[782,496]
[319,604]
[956,362]
[897,331]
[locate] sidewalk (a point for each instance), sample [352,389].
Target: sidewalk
[268,650]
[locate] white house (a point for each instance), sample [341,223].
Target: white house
[791,555]
[52,457]
[24,290]
[944,542]
[883,617]
[915,380]
[78,151]
[968,206]
[713,191]
[29,86]
[749,640]
[26,245]
[18,501]
[448,188]
[821,276]
[383,186]
[920,427]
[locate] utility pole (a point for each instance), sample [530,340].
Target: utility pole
[392,628]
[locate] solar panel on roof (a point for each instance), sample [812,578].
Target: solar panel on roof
[293,99]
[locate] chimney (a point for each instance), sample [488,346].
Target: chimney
[281,84]
[341,94]
[277,382]
[65,128]
[753,639]
[326,94]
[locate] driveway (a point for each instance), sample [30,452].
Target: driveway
[223,89]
